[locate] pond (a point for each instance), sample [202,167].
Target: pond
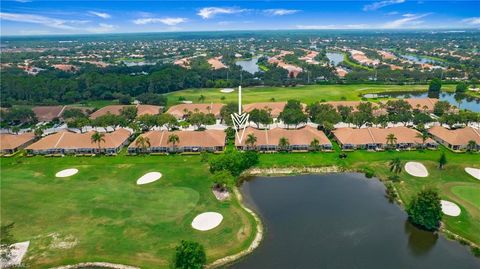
[341,220]
[335,57]
[461,101]
[421,59]
[249,65]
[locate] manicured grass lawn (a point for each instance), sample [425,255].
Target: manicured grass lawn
[307,94]
[104,216]
[453,183]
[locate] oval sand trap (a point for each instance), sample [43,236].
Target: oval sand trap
[67,172]
[474,172]
[227,90]
[149,178]
[207,221]
[450,209]
[416,169]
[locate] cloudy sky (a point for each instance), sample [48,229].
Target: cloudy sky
[40,17]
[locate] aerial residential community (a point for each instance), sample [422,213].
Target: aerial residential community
[241,134]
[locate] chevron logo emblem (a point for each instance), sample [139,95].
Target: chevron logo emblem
[240,119]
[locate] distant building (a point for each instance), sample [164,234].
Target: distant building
[189,141]
[66,142]
[116,110]
[10,143]
[298,139]
[376,138]
[48,113]
[275,108]
[180,111]
[457,139]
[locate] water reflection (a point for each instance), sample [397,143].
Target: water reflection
[420,242]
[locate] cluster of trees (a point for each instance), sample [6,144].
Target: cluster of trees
[233,161]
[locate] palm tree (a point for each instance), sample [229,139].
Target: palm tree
[283,143]
[424,136]
[251,140]
[38,132]
[396,166]
[315,144]
[174,139]
[97,138]
[143,143]
[391,140]
[471,145]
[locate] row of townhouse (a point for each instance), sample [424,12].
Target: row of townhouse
[269,140]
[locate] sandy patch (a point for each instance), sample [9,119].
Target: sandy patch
[474,172]
[450,209]
[187,102]
[149,178]
[207,221]
[18,251]
[67,172]
[221,195]
[416,169]
[62,242]
[227,90]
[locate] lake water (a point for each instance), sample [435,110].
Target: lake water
[334,57]
[421,60]
[341,221]
[249,65]
[461,101]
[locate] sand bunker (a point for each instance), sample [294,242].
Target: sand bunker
[67,172]
[450,209]
[187,102]
[207,221]
[474,172]
[149,178]
[18,251]
[227,90]
[416,169]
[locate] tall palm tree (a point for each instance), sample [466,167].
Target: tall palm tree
[315,144]
[251,140]
[97,138]
[396,166]
[471,145]
[423,136]
[391,140]
[283,143]
[143,143]
[174,139]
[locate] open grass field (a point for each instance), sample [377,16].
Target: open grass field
[100,214]
[306,94]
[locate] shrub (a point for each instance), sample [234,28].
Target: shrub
[425,210]
[233,161]
[189,255]
[390,192]
[369,173]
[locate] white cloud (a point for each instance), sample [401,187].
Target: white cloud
[472,21]
[101,28]
[167,21]
[378,5]
[408,20]
[333,27]
[280,11]
[23,1]
[37,19]
[100,14]
[210,12]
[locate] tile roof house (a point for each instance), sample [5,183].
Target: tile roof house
[9,143]
[455,139]
[189,141]
[48,113]
[66,142]
[376,138]
[181,110]
[298,139]
[275,108]
[116,110]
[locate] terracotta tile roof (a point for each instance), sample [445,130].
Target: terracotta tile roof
[422,102]
[178,110]
[69,140]
[375,135]
[303,136]
[115,110]
[457,136]
[274,107]
[13,141]
[207,138]
[48,113]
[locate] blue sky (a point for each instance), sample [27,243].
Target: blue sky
[37,17]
